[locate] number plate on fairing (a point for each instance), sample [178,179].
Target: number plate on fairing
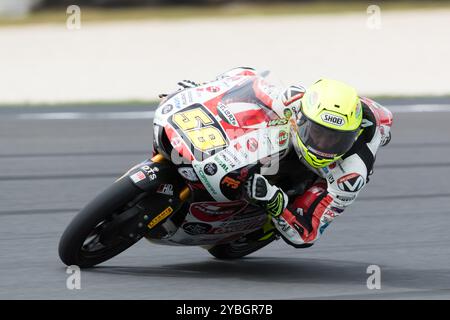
[200,130]
[264,144]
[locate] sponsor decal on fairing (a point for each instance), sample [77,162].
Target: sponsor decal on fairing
[287,113]
[226,114]
[196,228]
[167,108]
[204,179]
[282,138]
[252,144]
[230,182]
[164,214]
[166,189]
[212,89]
[138,176]
[151,172]
[210,169]
[188,173]
[277,122]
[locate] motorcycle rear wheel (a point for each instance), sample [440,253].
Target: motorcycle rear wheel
[84,233]
[235,251]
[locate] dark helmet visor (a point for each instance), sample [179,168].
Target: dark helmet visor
[322,141]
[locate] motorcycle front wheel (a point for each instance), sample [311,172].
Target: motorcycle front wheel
[96,234]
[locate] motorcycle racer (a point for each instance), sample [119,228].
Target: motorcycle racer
[335,135]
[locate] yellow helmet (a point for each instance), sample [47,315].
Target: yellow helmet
[328,122]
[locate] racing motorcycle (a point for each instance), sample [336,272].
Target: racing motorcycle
[208,140]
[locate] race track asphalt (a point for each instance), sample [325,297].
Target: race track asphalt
[50,168]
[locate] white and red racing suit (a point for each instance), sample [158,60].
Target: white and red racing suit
[304,217]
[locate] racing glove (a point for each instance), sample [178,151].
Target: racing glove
[272,198]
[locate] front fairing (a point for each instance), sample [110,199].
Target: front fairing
[220,128]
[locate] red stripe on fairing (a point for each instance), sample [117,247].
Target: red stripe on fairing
[251,117]
[234,132]
[182,149]
[212,103]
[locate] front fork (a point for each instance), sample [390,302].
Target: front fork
[164,193]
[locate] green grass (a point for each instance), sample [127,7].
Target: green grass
[91,14]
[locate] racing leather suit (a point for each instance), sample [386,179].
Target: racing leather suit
[308,208]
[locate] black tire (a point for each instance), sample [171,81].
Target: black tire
[235,251]
[111,201]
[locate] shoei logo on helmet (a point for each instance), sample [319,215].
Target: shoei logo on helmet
[333,119]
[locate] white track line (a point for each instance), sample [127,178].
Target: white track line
[86,115]
[150,114]
[420,108]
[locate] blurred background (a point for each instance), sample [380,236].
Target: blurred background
[131,50]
